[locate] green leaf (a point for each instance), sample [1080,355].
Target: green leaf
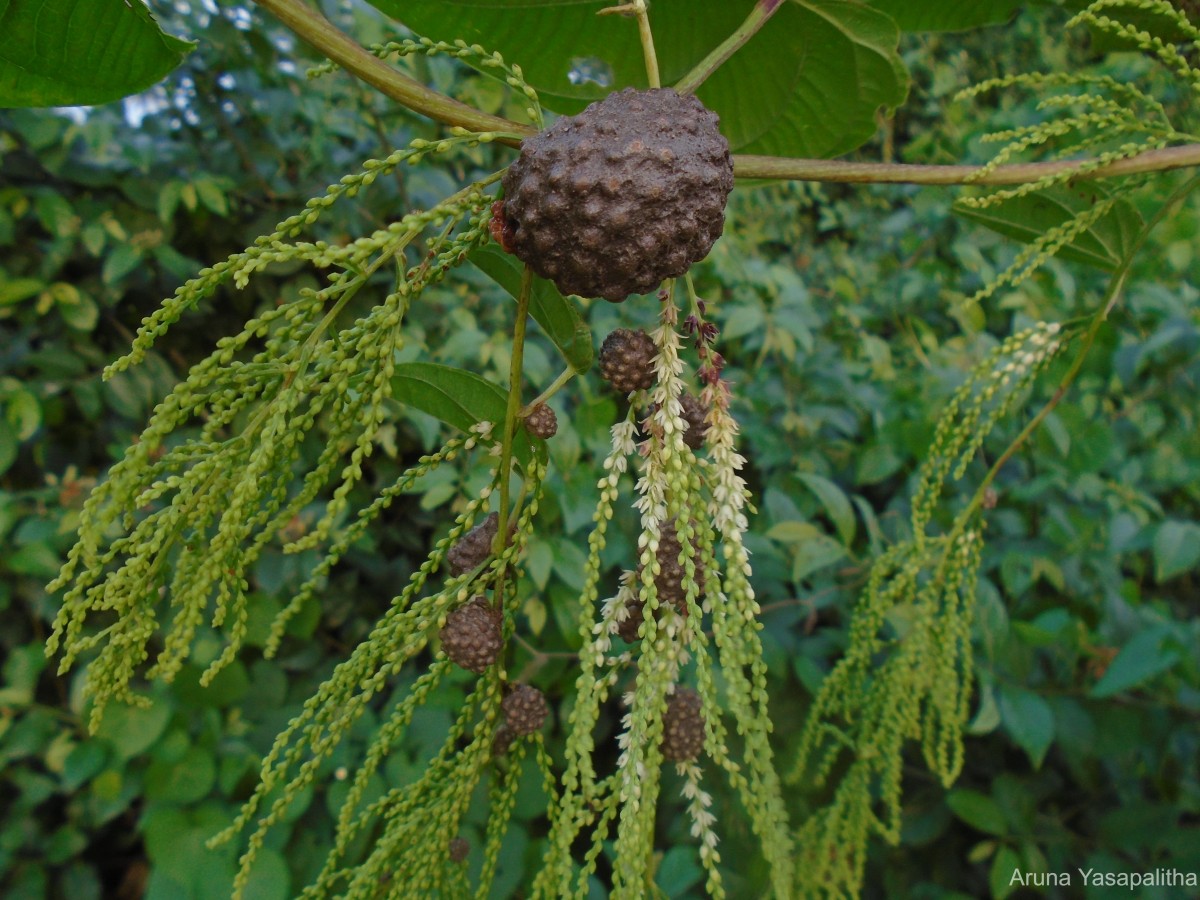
[123,260]
[81,313]
[1176,549]
[978,810]
[839,62]
[678,872]
[539,558]
[808,84]
[947,15]
[8,449]
[987,719]
[836,503]
[877,462]
[1140,660]
[212,196]
[21,671]
[270,879]
[456,397]
[570,563]
[85,760]
[184,780]
[37,560]
[1103,245]
[1029,720]
[132,729]
[1000,878]
[815,554]
[23,413]
[56,214]
[81,52]
[556,314]
[17,289]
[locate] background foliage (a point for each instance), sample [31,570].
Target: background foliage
[846,324]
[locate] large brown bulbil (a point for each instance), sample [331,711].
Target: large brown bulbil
[472,635]
[524,709]
[610,202]
[683,726]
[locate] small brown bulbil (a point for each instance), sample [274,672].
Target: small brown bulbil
[627,360]
[524,710]
[671,579]
[628,628]
[695,415]
[473,547]
[695,420]
[611,201]
[459,850]
[542,422]
[683,726]
[472,635]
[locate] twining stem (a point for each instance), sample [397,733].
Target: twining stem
[313,28]
[514,404]
[762,11]
[833,170]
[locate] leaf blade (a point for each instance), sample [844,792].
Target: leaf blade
[786,92]
[1140,660]
[81,52]
[457,397]
[1176,549]
[947,15]
[1029,720]
[1103,245]
[836,503]
[557,316]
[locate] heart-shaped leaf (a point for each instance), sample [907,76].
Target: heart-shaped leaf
[1027,218]
[555,313]
[811,82]
[458,398]
[81,52]
[808,84]
[947,15]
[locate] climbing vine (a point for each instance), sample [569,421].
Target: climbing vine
[671,651]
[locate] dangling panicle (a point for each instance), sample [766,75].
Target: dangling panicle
[896,684]
[690,503]
[182,518]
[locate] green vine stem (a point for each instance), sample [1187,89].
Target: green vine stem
[643,20]
[317,31]
[833,170]
[564,378]
[640,10]
[759,15]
